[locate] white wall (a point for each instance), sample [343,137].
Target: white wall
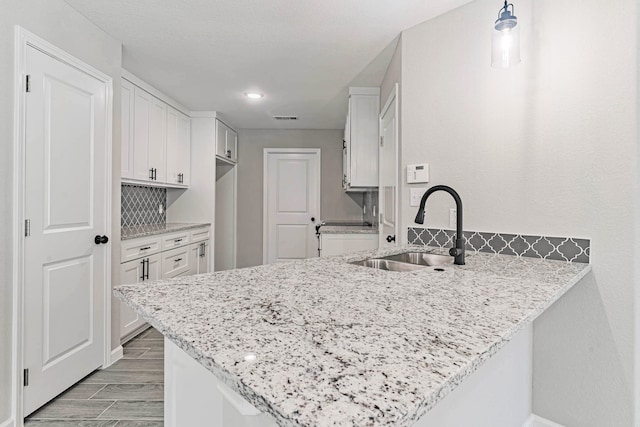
[546,148]
[335,203]
[61,25]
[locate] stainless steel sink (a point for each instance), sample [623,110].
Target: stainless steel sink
[388,265]
[421,258]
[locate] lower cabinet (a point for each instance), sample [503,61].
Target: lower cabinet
[173,255]
[340,244]
[136,271]
[199,258]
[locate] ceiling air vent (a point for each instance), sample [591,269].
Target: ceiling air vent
[285,117]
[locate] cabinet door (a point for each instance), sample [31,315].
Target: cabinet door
[184,154]
[175,262]
[178,147]
[158,140]
[154,268]
[232,145]
[221,139]
[126,129]
[142,117]
[130,273]
[194,256]
[340,244]
[362,144]
[203,257]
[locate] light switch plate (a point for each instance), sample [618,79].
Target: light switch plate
[416,195]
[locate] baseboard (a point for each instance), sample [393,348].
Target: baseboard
[8,423]
[537,421]
[116,354]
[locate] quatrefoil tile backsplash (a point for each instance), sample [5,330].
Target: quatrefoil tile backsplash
[556,248]
[141,205]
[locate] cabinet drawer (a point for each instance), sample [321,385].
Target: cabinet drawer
[200,234]
[175,240]
[175,262]
[137,248]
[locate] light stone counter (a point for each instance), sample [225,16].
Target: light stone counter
[143,230]
[348,229]
[340,344]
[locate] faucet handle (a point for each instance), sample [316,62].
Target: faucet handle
[456,251]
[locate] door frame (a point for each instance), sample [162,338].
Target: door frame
[265,190]
[23,41]
[393,96]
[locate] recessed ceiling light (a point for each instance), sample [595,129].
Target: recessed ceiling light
[254,95]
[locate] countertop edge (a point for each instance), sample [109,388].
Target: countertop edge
[173,227]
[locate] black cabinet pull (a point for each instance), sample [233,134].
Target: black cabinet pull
[147,276]
[145,248]
[151,173]
[177,260]
[143,264]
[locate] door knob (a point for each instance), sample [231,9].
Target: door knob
[313,219]
[391,238]
[100,239]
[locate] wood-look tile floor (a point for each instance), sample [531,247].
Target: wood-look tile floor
[129,393]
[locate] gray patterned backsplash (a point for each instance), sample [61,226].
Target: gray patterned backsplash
[556,248]
[141,205]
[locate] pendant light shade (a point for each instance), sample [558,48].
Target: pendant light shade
[505,39]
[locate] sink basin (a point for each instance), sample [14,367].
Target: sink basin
[388,265]
[421,258]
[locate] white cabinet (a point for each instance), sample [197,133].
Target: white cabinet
[360,145]
[137,248]
[226,142]
[126,129]
[175,262]
[137,271]
[199,257]
[178,148]
[340,244]
[156,140]
[162,256]
[143,103]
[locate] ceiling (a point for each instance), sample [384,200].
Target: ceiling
[302,54]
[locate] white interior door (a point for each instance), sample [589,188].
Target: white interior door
[292,202]
[388,186]
[65,201]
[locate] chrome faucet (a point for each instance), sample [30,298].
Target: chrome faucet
[458,251]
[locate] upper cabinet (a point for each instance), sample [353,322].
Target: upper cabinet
[226,142]
[155,140]
[360,144]
[178,147]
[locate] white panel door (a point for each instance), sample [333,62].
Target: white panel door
[292,202]
[388,185]
[65,201]
[141,122]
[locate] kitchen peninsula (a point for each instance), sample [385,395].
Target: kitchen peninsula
[325,342]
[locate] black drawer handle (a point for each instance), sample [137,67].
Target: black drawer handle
[178,240]
[145,248]
[178,259]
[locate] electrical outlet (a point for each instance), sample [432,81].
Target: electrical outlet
[416,196]
[453,213]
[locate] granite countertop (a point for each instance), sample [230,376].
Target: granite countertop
[346,227]
[341,344]
[144,230]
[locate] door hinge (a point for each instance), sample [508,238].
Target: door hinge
[25,378]
[28,83]
[27,227]
[381,141]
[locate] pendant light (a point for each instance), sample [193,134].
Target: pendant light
[505,39]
